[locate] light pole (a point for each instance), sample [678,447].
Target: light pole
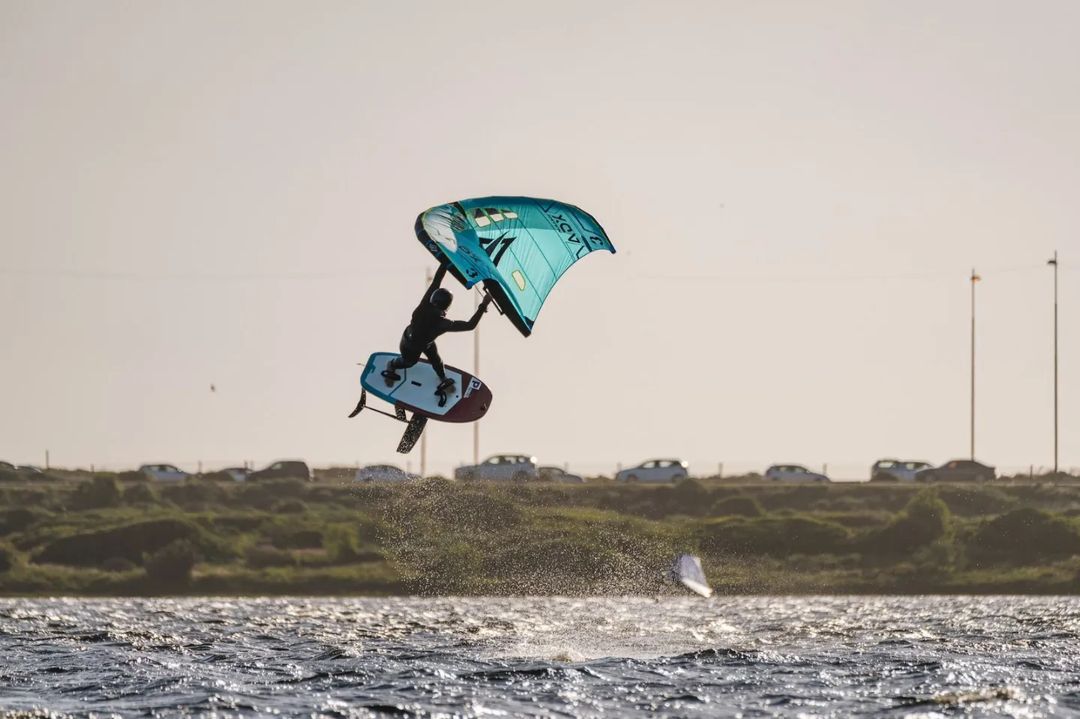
[1054,262]
[974,279]
[476,373]
[423,437]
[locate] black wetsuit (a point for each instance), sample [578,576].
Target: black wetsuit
[428,322]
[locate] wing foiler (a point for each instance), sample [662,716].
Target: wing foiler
[687,569]
[518,247]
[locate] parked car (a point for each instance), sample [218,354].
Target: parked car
[556,474]
[285,469]
[958,470]
[29,470]
[793,473]
[383,473]
[655,470]
[895,470]
[8,466]
[163,472]
[501,467]
[238,474]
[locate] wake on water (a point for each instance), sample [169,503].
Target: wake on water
[446,538]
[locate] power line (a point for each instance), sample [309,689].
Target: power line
[156,276]
[808,278]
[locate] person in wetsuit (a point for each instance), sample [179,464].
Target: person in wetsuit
[428,322]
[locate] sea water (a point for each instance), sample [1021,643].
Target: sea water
[545,657]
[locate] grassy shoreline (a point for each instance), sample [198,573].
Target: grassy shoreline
[105,537]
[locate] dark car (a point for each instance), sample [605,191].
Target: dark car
[287,469]
[958,470]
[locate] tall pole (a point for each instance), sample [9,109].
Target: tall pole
[974,279]
[423,437]
[1054,262]
[476,373]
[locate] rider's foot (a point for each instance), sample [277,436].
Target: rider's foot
[390,376]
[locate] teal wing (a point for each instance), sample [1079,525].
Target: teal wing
[518,247]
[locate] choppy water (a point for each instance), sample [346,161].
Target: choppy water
[756,656]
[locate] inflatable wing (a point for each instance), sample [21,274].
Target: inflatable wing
[518,247]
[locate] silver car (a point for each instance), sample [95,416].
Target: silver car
[163,472]
[655,470]
[793,473]
[501,467]
[895,470]
[383,473]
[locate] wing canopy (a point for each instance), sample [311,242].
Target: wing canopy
[518,247]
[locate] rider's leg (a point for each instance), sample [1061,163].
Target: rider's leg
[432,353]
[410,355]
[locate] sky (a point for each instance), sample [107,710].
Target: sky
[197,193]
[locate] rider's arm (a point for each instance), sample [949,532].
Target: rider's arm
[463,326]
[435,282]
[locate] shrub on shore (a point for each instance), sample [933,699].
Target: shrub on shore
[292,537]
[130,542]
[194,493]
[19,519]
[740,506]
[776,536]
[265,555]
[438,537]
[1024,535]
[101,491]
[8,557]
[140,493]
[171,566]
[924,520]
[341,544]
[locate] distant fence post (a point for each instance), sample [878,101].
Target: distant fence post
[719,470]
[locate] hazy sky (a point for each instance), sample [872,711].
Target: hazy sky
[205,192]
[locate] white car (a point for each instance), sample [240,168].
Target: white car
[793,473]
[655,470]
[888,470]
[383,473]
[556,474]
[501,467]
[163,472]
